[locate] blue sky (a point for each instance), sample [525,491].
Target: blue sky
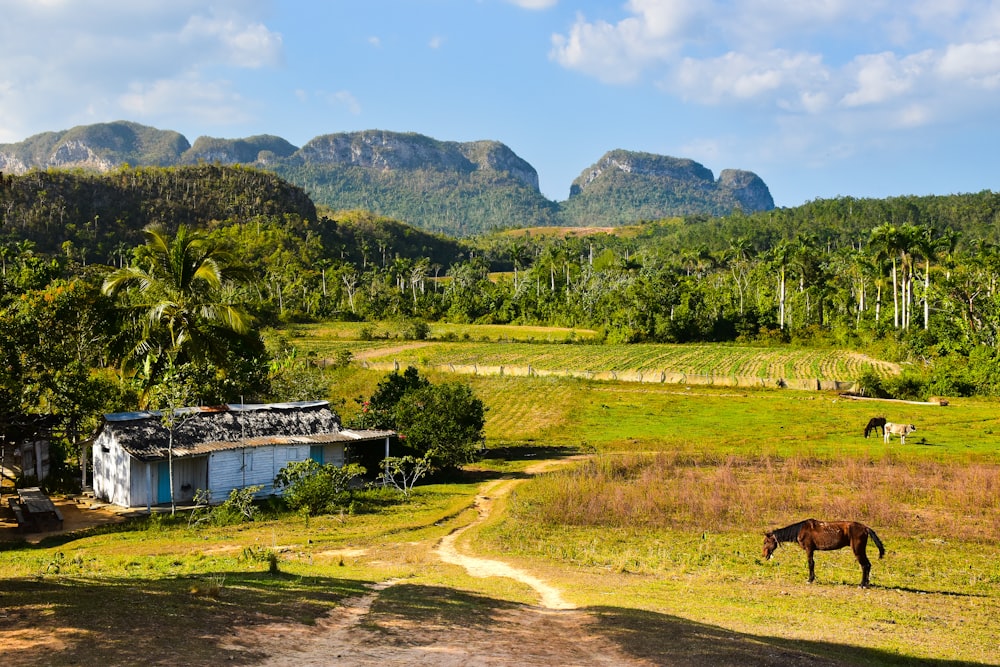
[870,98]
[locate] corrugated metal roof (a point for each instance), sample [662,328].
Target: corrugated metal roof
[318,439]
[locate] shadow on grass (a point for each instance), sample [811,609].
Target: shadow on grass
[528,452]
[408,615]
[186,620]
[505,453]
[664,639]
[130,525]
[88,620]
[923,591]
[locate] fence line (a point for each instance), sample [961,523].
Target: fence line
[652,377]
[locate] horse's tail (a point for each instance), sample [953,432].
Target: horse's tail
[881,549]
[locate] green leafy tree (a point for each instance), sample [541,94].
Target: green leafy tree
[379,411]
[443,423]
[179,303]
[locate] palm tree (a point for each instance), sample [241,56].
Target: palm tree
[418,274]
[736,256]
[928,246]
[180,299]
[890,242]
[780,256]
[518,254]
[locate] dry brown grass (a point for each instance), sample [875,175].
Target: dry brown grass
[668,490]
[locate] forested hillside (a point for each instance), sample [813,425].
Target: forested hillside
[100,215]
[442,202]
[459,188]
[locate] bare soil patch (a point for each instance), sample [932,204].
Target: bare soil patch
[384,351]
[77,515]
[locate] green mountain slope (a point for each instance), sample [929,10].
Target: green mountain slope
[458,188]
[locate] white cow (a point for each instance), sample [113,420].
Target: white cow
[902,430]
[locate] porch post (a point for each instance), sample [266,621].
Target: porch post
[149,487]
[387,462]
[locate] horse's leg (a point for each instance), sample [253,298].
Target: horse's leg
[812,564]
[861,553]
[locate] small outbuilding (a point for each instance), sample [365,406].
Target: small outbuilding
[218,449]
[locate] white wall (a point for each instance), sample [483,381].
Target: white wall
[112,471]
[237,468]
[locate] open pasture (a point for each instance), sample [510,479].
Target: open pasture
[668,515]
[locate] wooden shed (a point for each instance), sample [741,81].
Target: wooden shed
[218,449]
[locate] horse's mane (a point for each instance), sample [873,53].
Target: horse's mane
[788,533]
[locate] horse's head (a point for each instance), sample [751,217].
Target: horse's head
[770,544]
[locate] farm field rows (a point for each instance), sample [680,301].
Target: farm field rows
[508,347]
[699,360]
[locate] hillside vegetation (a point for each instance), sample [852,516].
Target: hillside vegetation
[459,188]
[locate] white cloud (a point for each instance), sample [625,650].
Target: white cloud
[209,102]
[109,59]
[436,42]
[813,56]
[345,100]
[790,78]
[619,53]
[239,44]
[879,78]
[976,64]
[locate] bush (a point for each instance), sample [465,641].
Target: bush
[238,508]
[415,330]
[315,488]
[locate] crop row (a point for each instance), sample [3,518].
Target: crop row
[718,360]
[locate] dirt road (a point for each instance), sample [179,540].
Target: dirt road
[553,632]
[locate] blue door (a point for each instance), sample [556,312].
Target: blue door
[163,482]
[316,453]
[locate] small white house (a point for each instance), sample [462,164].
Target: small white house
[217,449]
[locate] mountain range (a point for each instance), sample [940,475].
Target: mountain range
[456,188]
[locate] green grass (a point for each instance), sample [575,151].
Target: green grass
[671,547]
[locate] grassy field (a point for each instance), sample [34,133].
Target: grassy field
[545,349]
[658,528]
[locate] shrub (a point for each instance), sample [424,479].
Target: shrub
[315,488]
[238,508]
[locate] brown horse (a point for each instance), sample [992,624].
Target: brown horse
[815,535]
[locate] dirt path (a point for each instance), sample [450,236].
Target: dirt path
[551,597]
[552,633]
[383,351]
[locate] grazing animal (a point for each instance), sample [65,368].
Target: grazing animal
[813,535]
[874,424]
[902,430]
